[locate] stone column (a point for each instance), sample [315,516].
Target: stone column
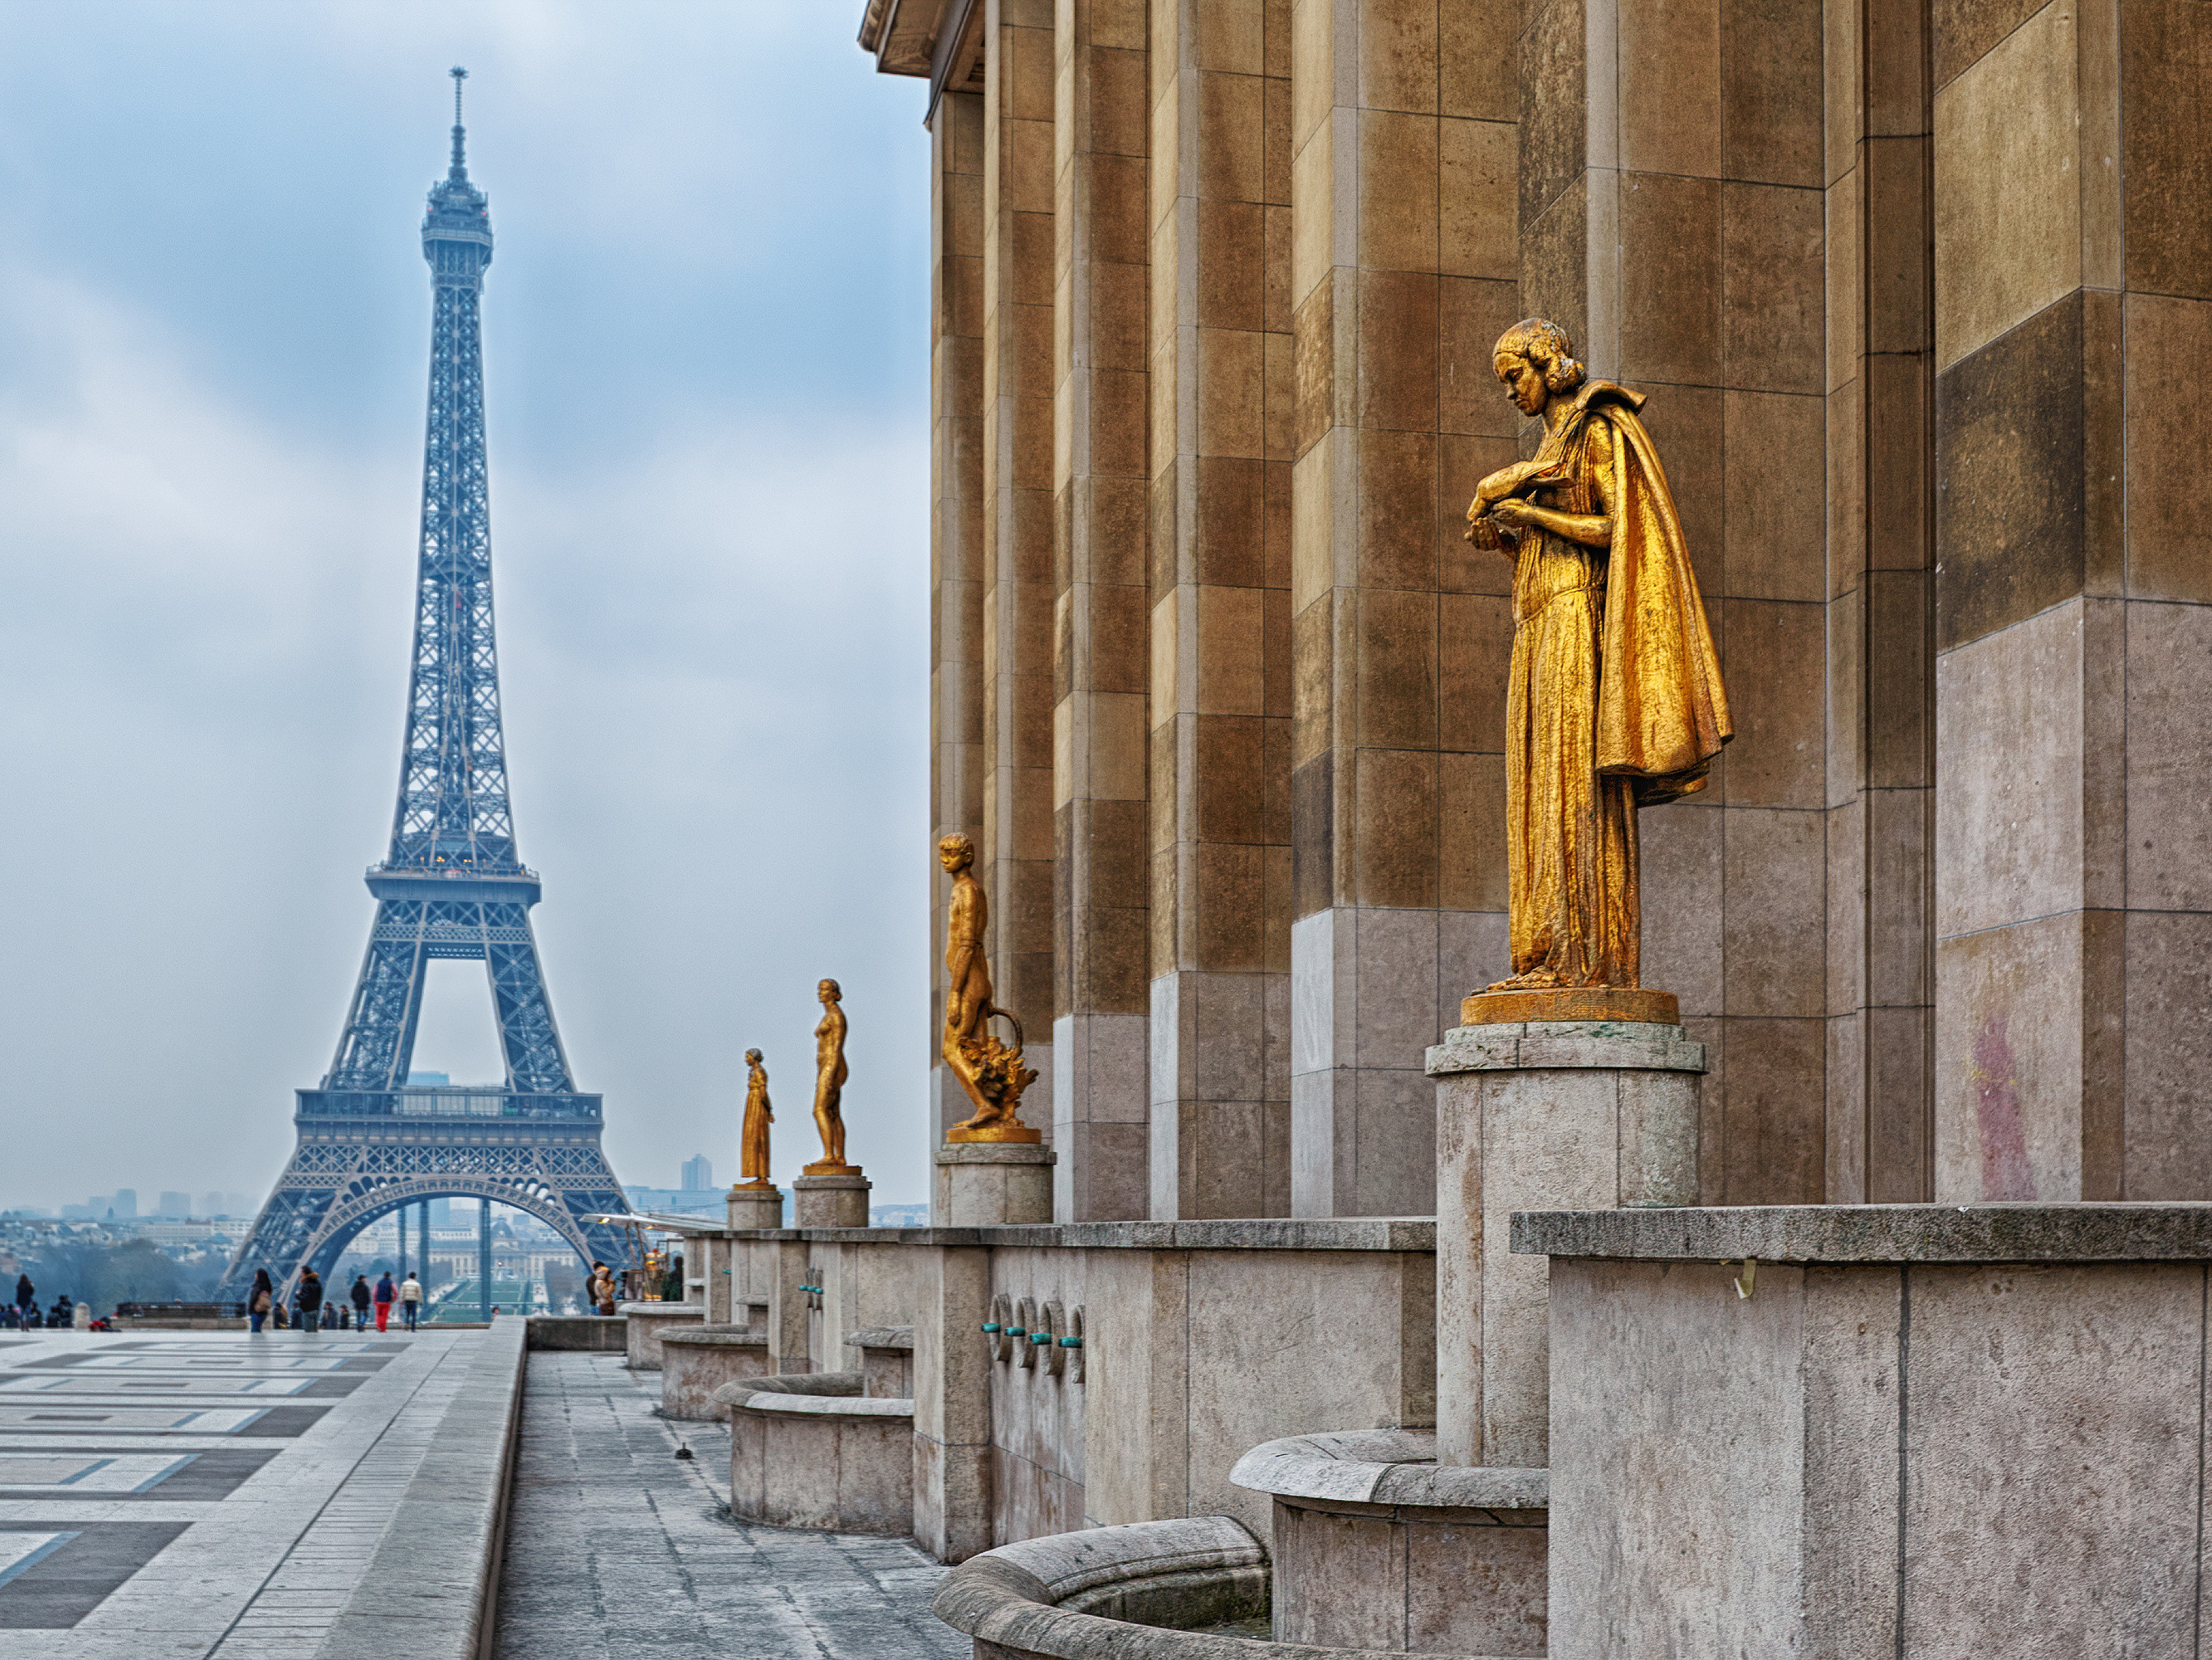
[1880,615]
[1102,659]
[1672,220]
[951,1402]
[957,762]
[2073,333]
[1404,128]
[1221,395]
[787,1347]
[755,1208]
[1562,1115]
[1014,854]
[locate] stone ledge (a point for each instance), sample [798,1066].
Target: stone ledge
[1571,1045]
[882,1337]
[1394,1233]
[716,1337]
[1385,1467]
[431,1586]
[740,1399]
[2086,1232]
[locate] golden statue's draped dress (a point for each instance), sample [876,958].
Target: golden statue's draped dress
[1613,699]
[753,1162]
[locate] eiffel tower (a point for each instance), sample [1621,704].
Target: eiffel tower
[452,886]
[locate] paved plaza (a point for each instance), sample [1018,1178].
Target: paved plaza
[203,1494]
[224,1497]
[617,1548]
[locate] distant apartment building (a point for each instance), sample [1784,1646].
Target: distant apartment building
[174,1204]
[697,1174]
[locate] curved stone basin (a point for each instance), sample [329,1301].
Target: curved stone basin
[1122,1593]
[647,1322]
[1376,1541]
[808,1449]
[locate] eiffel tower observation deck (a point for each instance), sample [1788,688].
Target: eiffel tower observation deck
[451,885]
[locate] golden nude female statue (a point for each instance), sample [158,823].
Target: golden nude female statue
[990,1071]
[829,1076]
[1614,700]
[752,1148]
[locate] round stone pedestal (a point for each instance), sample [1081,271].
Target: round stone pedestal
[1538,1115]
[697,1360]
[988,1184]
[647,1321]
[1377,1545]
[755,1208]
[839,1201]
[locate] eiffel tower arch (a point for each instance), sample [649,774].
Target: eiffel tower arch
[451,885]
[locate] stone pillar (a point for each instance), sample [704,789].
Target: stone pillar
[787,1310]
[1880,769]
[1102,659]
[987,1185]
[833,1199]
[1014,854]
[1220,387]
[1404,128]
[952,1404]
[1563,1114]
[1672,220]
[755,1208]
[2073,334]
[958,761]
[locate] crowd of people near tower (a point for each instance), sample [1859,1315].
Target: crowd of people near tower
[312,1308]
[65,1314]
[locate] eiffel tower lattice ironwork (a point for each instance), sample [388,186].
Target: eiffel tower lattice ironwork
[452,886]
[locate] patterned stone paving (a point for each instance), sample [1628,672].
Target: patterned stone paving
[150,1508]
[618,1548]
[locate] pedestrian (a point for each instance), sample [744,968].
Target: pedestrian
[410,1298]
[361,1298]
[260,1298]
[386,1292]
[310,1298]
[601,1290]
[26,1298]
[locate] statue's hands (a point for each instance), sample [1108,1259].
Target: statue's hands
[1513,514]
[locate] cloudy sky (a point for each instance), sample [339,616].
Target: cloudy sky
[706,362]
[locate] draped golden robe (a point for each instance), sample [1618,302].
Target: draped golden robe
[1614,699]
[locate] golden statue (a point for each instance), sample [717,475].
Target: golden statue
[990,1071]
[829,1076]
[752,1145]
[1614,700]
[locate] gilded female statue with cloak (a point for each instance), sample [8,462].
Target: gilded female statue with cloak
[1614,700]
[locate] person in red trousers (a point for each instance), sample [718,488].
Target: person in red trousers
[385,1292]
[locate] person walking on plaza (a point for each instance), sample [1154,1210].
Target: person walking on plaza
[386,1293]
[310,1299]
[26,1298]
[260,1299]
[360,1301]
[410,1298]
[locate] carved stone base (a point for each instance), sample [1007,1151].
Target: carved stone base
[985,1185]
[833,1201]
[756,1205]
[1636,1003]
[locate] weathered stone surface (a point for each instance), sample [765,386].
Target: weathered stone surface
[647,1321]
[812,1451]
[983,1184]
[695,1362]
[2086,1232]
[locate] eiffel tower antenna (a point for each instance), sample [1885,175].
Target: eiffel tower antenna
[451,884]
[460,169]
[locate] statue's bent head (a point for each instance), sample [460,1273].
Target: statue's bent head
[1544,347]
[955,854]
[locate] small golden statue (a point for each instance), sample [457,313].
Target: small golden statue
[829,1076]
[1614,700]
[752,1148]
[990,1071]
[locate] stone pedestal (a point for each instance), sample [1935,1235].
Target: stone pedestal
[832,1200]
[645,1322]
[984,1184]
[1538,1114]
[756,1207]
